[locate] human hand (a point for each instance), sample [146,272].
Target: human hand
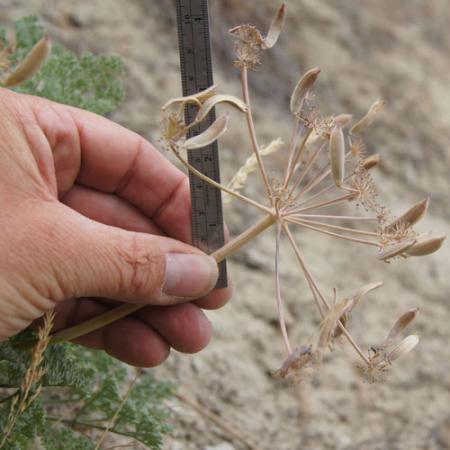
[93,215]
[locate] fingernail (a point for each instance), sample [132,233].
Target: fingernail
[189,275]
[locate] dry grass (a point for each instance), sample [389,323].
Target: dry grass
[31,387]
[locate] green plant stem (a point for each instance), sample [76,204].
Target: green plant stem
[122,311]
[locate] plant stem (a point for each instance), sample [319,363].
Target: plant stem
[296,155]
[330,233]
[251,129]
[76,423]
[323,204]
[310,277]
[218,185]
[280,303]
[335,227]
[230,248]
[326,216]
[116,414]
[115,314]
[291,150]
[307,168]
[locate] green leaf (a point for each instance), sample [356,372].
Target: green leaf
[29,425]
[66,439]
[28,31]
[89,82]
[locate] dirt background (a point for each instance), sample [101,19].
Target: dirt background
[367,50]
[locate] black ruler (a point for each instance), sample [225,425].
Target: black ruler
[196,75]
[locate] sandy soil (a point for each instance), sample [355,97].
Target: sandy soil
[395,50]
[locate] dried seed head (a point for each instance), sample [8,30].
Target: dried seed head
[211,102]
[276,27]
[210,135]
[396,249]
[248,47]
[410,217]
[301,90]
[343,120]
[31,64]
[425,245]
[337,155]
[199,98]
[402,322]
[173,128]
[358,148]
[403,347]
[372,161]
[369,118]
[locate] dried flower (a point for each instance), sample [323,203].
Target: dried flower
[381,358]
[250,43]
[320,174]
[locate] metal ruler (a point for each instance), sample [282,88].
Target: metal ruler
[196,75]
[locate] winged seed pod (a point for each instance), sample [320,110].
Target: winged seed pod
[343,120]
[210,135]
[31,64]
[365,290]
[337,155]
[198,98]
[425,245]
[329,325]
[396,249]
[402,322]
[369,118]
[301,90]
[275,28]
[411,216]
[211,102]
[354,303]
[372,161]
[403,347]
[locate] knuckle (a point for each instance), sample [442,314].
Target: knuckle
[141,267]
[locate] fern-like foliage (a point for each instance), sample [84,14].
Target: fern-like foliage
[87,81]
[90,385]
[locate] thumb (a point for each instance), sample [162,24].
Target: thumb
[104,261]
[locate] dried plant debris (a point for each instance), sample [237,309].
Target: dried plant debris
[326,169]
